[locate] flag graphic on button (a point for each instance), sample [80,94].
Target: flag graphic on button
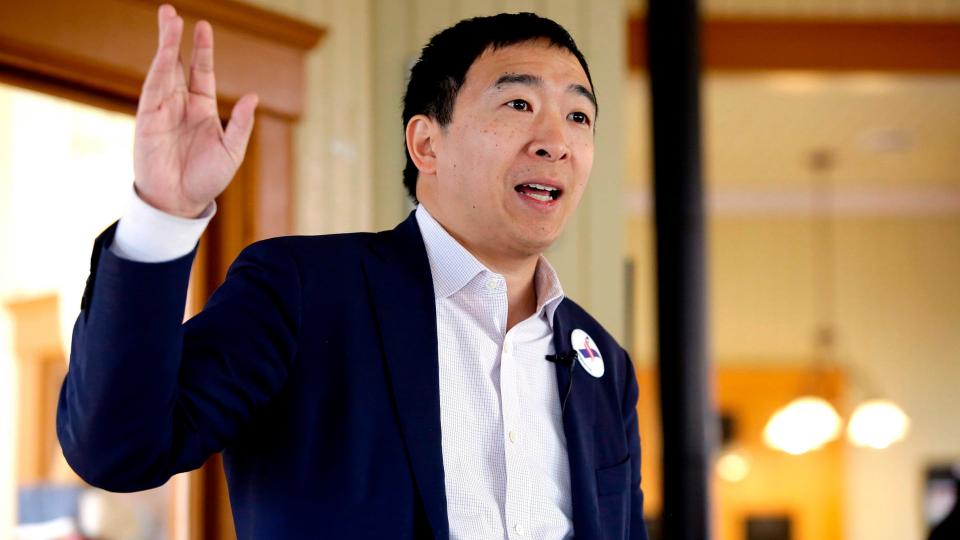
[587,352]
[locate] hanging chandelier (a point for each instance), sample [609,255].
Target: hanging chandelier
[810,421]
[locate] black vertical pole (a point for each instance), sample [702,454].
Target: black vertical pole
[674,63]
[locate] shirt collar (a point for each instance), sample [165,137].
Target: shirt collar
[453,266]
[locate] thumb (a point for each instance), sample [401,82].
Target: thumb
[237,134]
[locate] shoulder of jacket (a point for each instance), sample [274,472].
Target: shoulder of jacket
[581,318]
[300,246]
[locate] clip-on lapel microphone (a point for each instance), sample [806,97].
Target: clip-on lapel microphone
[568,360]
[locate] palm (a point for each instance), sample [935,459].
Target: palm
[183,158]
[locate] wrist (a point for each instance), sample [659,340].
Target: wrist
[181,210]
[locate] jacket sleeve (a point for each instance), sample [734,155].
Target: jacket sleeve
[146,397]
[638,528]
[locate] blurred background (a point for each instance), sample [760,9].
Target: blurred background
[831,147]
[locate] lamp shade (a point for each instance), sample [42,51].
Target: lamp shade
[877,423]
[805,424]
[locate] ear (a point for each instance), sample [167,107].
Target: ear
[421,133]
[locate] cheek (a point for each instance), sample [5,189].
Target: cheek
[479,153]
[584,163]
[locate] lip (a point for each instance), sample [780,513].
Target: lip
[534,203]
[549,182]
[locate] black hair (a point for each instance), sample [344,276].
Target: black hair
[439,74]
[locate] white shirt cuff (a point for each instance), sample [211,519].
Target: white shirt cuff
[146,234]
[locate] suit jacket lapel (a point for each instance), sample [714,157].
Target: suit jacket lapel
[401,285]
[578,419]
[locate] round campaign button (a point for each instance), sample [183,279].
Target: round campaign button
[587,352]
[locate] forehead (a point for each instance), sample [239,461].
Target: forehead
[541,58]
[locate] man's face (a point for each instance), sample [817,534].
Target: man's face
[513,163]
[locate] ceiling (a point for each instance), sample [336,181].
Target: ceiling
[894,140]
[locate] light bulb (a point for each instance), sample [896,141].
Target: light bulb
[877,423]
[805,424]
[733,466]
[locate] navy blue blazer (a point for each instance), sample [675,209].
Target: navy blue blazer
[314,369]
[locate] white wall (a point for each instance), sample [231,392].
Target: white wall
[900,303]
[66,172]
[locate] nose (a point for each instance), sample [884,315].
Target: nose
[549,141]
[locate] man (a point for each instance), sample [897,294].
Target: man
[390,385]
[949,527]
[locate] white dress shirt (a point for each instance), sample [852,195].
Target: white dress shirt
[504,450]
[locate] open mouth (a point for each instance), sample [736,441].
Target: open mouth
[539,192]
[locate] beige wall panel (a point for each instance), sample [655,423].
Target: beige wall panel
[568,13]
[313,174]
[334,137]
[602,244]
[349,148]
[393,52]
[428,18]
[515,6]
[466,9]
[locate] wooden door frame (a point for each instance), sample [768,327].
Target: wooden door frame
[98,51]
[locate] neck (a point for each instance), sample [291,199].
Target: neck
[519,274]
[521,290]
[517,269]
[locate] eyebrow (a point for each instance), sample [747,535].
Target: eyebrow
[527,79]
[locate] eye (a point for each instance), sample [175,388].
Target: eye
[519,104]
[579,117]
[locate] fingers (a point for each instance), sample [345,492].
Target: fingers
[237,134]
[181,83]
[202,80]
[162,78]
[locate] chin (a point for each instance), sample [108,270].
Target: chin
[534,246]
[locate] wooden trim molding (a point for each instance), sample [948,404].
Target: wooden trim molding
[271,25]
[818,44]
[105,46]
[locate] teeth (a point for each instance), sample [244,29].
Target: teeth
[542,187]
[539,197]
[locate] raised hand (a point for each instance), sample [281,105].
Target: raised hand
[182,157]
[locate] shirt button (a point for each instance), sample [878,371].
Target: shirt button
[493,283]
[517,528]
[513,436]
